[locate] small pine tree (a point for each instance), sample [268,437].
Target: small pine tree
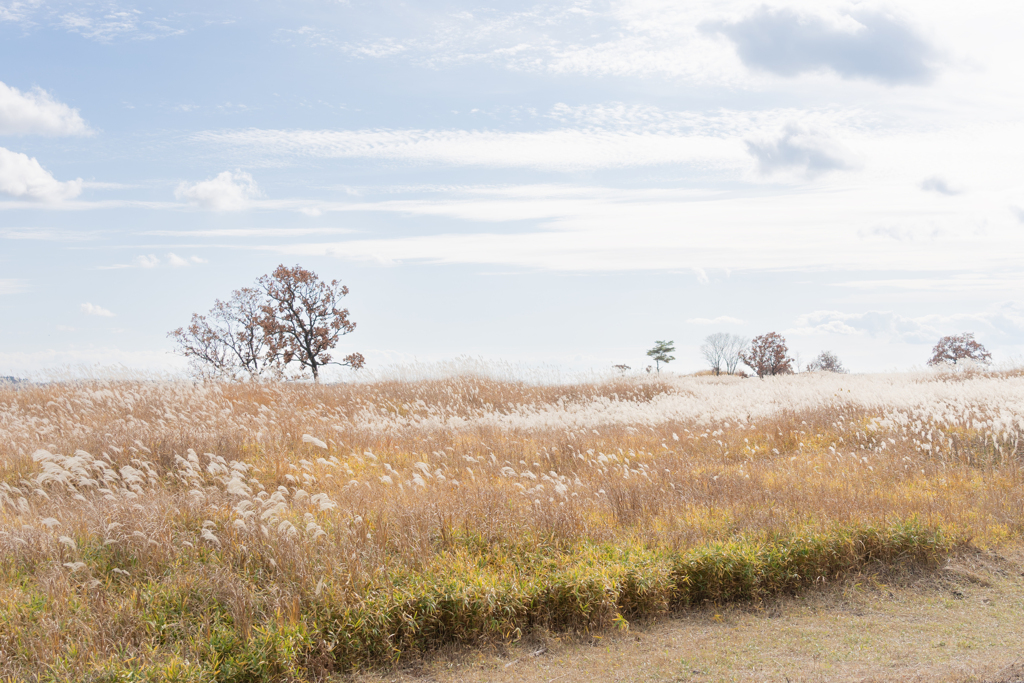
[660,353]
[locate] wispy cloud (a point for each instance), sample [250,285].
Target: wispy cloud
[243,233]
[1005,320]
[150,261]
[573,138]
[720,320]
[558,150]
[92,309]
[36,112]
[48,235]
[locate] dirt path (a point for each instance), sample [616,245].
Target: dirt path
[964,622]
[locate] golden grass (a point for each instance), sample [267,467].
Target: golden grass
[240,532]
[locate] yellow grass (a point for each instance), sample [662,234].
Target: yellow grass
[236,532]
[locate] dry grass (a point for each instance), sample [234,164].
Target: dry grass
[234,532]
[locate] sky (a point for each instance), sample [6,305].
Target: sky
[557,184]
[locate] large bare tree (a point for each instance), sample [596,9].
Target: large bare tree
[302,319]
[231,340]
[722,351]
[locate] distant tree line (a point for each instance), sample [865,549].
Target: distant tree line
[768,354]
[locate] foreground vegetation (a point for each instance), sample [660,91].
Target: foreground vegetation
[250,532]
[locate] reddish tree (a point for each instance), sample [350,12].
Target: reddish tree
[958,347]
[826,362]
[768,355]
[302,320]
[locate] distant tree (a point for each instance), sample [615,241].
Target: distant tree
[622,367]
[768,355]
[957,347]
[722,351]
[302,319]
[660,353]
[826,362]
[231,340]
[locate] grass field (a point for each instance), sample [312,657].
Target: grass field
[231,532]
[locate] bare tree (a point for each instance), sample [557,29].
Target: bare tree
[722,351]
[660,353]
[302,320]
[231,340]
[734,352]
[826,362]
[957,347]
[768,355]
[713,350]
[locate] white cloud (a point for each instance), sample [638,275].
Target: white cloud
[96,310]
[720,320]
[226,192]
[177,261]
[862,44]
[36,112]
[22,176]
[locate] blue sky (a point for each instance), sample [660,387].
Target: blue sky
[559,183]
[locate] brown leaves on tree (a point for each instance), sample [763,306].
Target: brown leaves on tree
[290,317]
[302,319]
[768,355]
[958,347]
[826,362]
